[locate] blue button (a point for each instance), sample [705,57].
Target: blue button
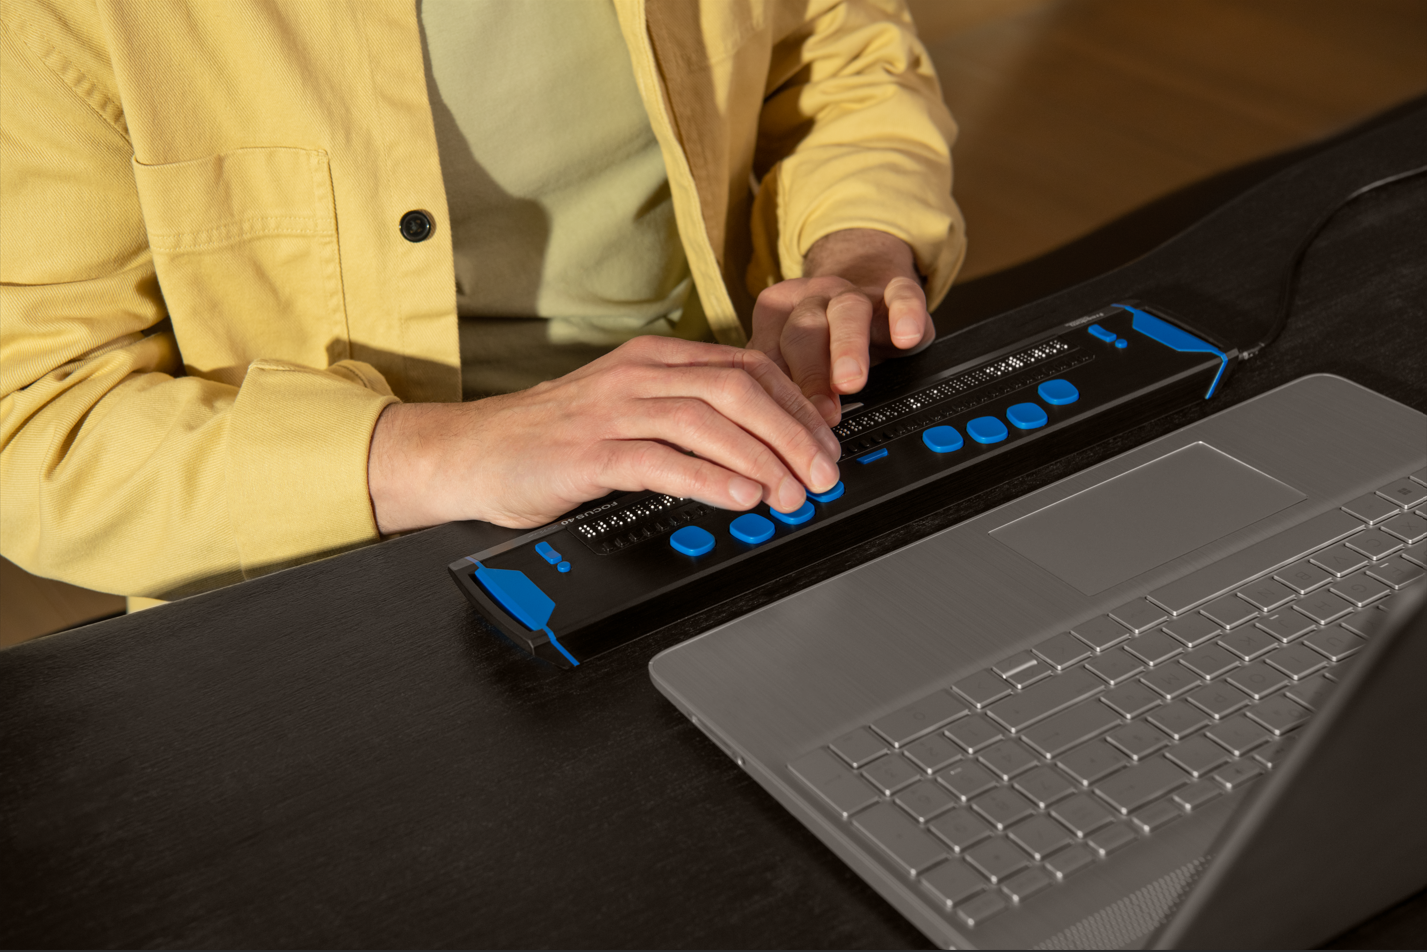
[873,456]
[943,439]
[691,540]
[1058,392]
[795,518]
[833,493]
[751,528]
[563,566]
[547,552]
[1122,343]
[520,597]
[1026,416]
[987,429]
[1100,332]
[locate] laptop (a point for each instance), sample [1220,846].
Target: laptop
[1032,729]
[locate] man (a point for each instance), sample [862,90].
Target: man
[253,252]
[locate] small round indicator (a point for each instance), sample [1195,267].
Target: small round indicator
[1121,344]
[563,567]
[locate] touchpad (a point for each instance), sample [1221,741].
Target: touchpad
[1138,520]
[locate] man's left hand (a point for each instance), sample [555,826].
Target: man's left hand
[860,301]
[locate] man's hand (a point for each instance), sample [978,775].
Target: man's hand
[622,422]
[859,302]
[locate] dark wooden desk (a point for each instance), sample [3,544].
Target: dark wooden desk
[338,755]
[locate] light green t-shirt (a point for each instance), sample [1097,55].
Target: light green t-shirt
[558,195]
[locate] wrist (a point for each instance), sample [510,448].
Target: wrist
[864,256]
[400,465]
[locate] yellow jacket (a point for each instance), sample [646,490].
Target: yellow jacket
[206,297]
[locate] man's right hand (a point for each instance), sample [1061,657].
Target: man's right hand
[626,421]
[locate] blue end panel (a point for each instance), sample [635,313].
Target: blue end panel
[521,598]
[1172,337]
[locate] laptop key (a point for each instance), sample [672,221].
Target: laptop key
[1238,774]
[1209,662]
[1113,837]
[1062,651]
[1266,594]
[1229,611]
[982,688]
[1238,735]
[1042,700]
[1404,492]
[1274,755]
[1139,615]
[830,779]
[1131,789]
[1359,588]
[1081,814]
[1219,699]
[1039,836]
[1115,666]
[1334,642]
[910,847]
[966,779]
[1297,661]
[1248,642]
[1178,719]
[1257,680]
[1278,714]
[859,746]
[1323,607]
[1285,625]
[1197,794]
[919,717]
[1002,807]
[1026,884]
[1170,681]
[1374,543]
[1044,785]
[1416,553]
[1089,762]
[1191,630]
[1340,560]
[1409,527]
[1156,816]
[1068,861]
[1396,572]
[1139,740]
[974,732]
[1007,759]
[932,752]
[960,829]
[1030,674]
[1340,670]
[1312,692]
[1055,736]
[1370,508]
[924,800]
[997,858]
[951,883]
[1198,755]
[1131,700]
[1303,577]
[1100,632]
[1017,661]
[978,909]
[1154,647]
[890,773]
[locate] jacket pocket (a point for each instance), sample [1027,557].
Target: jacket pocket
[245,247]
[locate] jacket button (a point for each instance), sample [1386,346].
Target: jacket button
[416,226]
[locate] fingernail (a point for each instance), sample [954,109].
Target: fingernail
[745,492]
[908,327]
[846,371]
[829,410]
[824,474]
[790,495]
[829,442]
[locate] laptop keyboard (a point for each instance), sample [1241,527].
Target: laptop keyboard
[1019,776]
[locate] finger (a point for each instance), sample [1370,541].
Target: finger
[791,400]
[692,424]
[907,318]
[632,465]
[849,317]
[738,396]
[805,349]
[770,313]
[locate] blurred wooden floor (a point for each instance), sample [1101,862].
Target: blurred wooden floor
[1072,113]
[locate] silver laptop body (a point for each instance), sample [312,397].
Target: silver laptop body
[1170,529]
